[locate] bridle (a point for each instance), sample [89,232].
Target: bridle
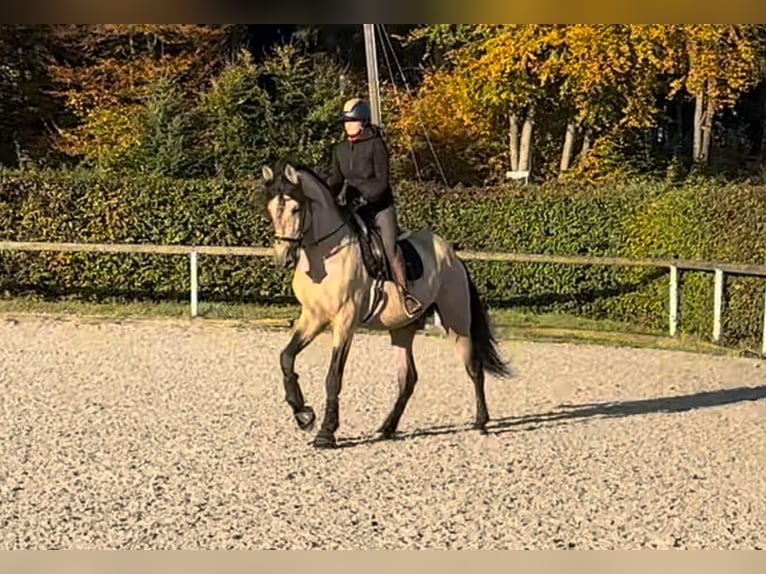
[299,239]
[301,232]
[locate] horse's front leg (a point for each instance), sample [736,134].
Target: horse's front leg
[305,331]
[342,336]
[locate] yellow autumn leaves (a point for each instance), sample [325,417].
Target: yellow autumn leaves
[596,78]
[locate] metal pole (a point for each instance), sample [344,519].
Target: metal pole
[372,72]
[193,271]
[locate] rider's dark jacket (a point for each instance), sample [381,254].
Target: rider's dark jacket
[363,163]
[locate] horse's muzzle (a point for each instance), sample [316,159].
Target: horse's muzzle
[290,262]
[287,255]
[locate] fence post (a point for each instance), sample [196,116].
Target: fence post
[673,300]
[718,306]
[763,345]
[193,272]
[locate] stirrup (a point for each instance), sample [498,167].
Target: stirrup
[411,305]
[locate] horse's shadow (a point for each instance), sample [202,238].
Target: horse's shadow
[566,414]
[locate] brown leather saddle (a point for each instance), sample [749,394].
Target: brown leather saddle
[376,262]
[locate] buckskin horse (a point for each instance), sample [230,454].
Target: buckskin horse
[342,282]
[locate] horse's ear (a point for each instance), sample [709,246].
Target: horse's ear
[268,174]
[291,174]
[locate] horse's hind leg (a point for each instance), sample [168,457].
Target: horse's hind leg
[475,370]
[305,331]
[454,305]
[407,376]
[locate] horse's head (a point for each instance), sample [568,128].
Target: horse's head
[301,210]
[288,216]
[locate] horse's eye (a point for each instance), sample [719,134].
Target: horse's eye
[296,209]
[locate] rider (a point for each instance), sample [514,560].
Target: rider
[361,162]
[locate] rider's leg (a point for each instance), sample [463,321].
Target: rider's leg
[386,222]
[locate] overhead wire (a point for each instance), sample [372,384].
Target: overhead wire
[387,39]
[396,93]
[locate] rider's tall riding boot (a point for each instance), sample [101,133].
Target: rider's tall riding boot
[411,305]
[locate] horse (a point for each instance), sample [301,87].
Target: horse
[342,283]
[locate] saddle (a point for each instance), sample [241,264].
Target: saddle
[376,262]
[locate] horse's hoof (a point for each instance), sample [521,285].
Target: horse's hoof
[324,440]
[386,433]
[305,418]
[480,424]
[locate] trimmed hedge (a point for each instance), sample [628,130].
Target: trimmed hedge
[90,208]
[639,219]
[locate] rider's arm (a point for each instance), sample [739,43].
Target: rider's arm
[336,179]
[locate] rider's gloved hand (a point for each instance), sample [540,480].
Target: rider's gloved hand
[360,201]
[341,198]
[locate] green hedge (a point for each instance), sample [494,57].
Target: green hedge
[89,208]
[639,219]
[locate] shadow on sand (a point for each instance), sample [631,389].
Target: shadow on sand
[567,413]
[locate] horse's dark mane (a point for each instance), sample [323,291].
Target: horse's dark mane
[279,170]
[344,211]
[311,171]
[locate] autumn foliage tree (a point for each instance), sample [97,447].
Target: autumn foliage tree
[718,64]
[559,100]
[108,73]
[489,90]
[607,79]
[596,82]
[437,124]
[184,100]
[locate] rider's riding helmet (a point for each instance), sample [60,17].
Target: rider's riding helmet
[356,110]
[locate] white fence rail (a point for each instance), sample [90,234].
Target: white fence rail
[675,266]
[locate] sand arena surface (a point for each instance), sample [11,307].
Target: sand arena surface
[175,435]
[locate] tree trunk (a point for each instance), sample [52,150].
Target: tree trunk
[525,154]
[678,143]
[763,130]
[585,144]
[707,131]
[566,154]
[699,106]
[513,134]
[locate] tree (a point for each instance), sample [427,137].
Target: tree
[439,120]
[719,63]
[606,83]
[513,77]
[597,69]
[285,106]
[29,108]
[107,72]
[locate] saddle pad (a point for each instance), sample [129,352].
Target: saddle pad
[413,263]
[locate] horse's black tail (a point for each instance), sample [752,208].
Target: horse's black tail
[483,341]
